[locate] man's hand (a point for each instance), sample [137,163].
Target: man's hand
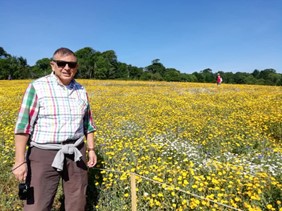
[92,159]
[20,171]
[20,168]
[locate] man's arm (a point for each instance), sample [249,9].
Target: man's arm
[89,129]
[92,158]
[24,126]
[20,169]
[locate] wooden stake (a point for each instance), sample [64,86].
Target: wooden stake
[133,192]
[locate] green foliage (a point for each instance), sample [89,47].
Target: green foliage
[41,68]
[156,67]
[208,75]
[87,58]
[105,65]
[172,74]
[13,67]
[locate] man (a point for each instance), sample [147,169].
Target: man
[53,120]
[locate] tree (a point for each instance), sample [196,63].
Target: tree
[207,75]
[135,72]
[240,78]
[256,73]
[122,71]
[4,69]
[3,53]
[274,78]
[187,77]
[13,67]
[110,63]
[22,70]
[228,77]
[172,74]
[156,61]
[87,58]
[41,68]
[107,65]
[265,73]
[146,76]
[250,79]
[200,77]
[156,77]
[156,67]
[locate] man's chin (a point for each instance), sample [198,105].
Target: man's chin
[66,76]
[66,80]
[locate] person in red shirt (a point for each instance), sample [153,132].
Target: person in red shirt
[218,79]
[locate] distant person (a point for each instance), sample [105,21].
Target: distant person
[218,79]
[53,120]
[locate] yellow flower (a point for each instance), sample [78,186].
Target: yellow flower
[269,206]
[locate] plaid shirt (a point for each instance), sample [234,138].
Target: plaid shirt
[53,113]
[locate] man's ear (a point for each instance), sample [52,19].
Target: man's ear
[52,65]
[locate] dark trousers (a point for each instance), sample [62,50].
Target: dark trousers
[44,180]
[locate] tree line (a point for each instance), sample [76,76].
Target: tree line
[105,65]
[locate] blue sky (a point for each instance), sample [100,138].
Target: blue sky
[189,35]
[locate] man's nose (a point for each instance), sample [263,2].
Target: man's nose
[67,66]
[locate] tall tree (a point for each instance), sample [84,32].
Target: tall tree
[207,75]
[135,72]
[156,67]
[110,64]
[256,73]
[4,69]
[122,71]
[172,74]
[3,53]
[87,58]
[41,68]
[22,70]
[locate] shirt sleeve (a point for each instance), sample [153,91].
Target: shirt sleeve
[28,111]
[89,125]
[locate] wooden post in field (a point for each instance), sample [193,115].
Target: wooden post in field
[133,192]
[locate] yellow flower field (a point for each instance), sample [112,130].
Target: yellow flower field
[192,146]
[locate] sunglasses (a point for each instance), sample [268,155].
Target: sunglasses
[63,63]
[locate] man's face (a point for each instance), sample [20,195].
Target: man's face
[64,67]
